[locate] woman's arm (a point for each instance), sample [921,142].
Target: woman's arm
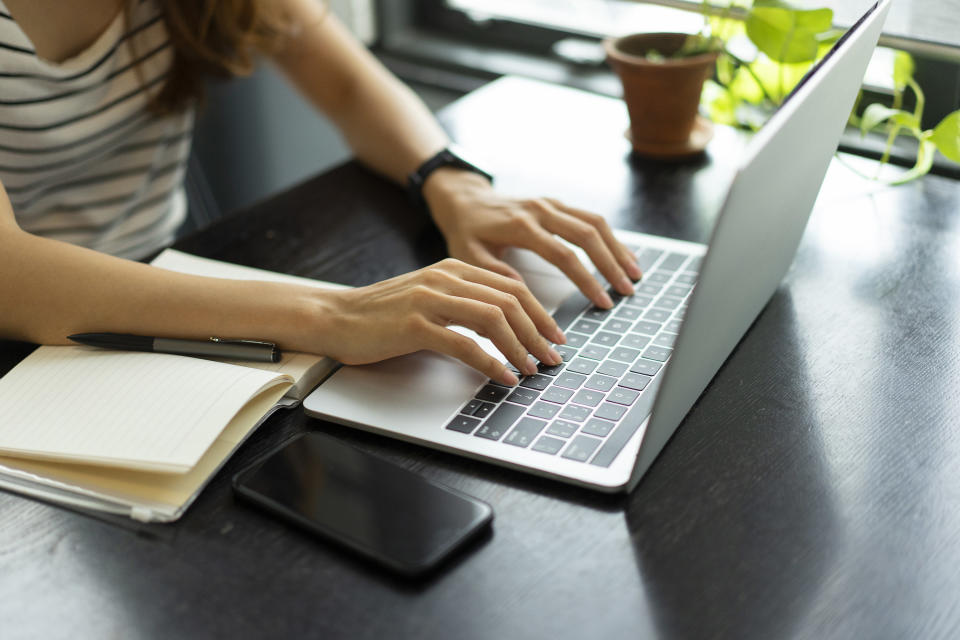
[51,289]
[390,130]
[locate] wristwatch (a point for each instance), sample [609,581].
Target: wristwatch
[449,157]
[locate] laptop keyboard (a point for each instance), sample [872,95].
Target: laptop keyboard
[587,408]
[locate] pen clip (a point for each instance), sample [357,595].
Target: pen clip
[252,343]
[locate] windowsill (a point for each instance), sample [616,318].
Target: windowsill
[431,59]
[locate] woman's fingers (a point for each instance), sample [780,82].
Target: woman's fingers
[520,323]
[544,243]
[589,238]
[488,320]
[451,343]
[543,321]
[623,255]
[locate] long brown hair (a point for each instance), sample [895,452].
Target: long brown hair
[214,38]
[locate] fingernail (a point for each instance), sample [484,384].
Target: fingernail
[559,337]
[531,366]
[509,379]
[557,358]
[633,270]
[606,302]
[625,286]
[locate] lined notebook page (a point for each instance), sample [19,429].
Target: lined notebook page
[144,411]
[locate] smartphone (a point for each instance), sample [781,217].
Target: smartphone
[380,510]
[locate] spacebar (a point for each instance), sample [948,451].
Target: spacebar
[628,426]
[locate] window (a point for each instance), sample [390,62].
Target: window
[558,40]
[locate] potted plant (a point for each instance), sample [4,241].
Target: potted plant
[759,54]
[662,76]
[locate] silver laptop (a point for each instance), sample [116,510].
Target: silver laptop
[630,374]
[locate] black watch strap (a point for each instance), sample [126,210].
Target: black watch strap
[444,158]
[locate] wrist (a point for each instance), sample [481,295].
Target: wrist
[445,186]
[451,166]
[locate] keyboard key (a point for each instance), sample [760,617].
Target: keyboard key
[523,396]
[576,340]
[634,341]
[585,326]
[549,369]
[623,396]
[657,315]
[673,261]
[588,397]
[657,277]
[657,353]
[695,264]
[499,421]
[562,428]
[617,440]
[665,339]
[569,380]
[667,302]
[492,393]
[636,381]
[606,339]
[601,383]
[582,365]
[463,424]
[575,413]
[595,352]
[597,314]
[556,394]
[565,352]
[609,411]
[484,409]
[525,431]
[549,445]
[647,327]
[546,410]
[645,367]
[617,325]
[673,326]
[581,448]
[649,288]
[537,382]
[647,258]
[638,300]
[624,354]
[613,368]
[470,407]
[598,427]
[628,313]
[687,278]
[677,290]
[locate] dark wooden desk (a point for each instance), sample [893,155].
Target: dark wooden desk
[813,491]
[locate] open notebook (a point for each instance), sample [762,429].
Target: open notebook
[140,433]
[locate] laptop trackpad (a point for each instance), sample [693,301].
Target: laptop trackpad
[410,394]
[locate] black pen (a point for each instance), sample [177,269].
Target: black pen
[253,350]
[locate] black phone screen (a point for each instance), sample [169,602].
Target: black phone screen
[375,507]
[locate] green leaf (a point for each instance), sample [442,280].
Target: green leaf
[746,88]
[719,104]
[786,34]
[877,114]
[946,136]
[924,163]
[902,69]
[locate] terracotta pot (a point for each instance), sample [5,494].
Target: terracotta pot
[662,97]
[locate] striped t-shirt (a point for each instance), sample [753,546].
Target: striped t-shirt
[81,158]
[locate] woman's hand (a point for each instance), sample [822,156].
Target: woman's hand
[412,312]
[479,224]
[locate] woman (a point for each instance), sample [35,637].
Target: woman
[96,104]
